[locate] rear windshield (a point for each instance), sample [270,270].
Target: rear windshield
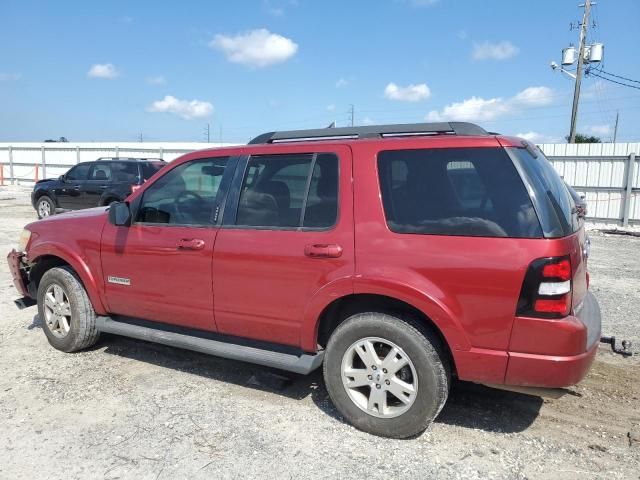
[149,168]
[460,191]
[551,197]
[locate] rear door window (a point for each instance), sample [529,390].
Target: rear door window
[458,191]
[126,172]
[289,191]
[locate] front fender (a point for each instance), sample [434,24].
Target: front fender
[89,279]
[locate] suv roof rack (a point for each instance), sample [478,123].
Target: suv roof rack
[373,131]
[129,159]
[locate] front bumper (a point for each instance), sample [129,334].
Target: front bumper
[18,272]
[559,352]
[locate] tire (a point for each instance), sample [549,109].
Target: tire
[45,207]
[427,371]
[71,326]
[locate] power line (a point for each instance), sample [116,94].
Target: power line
[619,76]
[614,81]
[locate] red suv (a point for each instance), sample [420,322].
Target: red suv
[395,256]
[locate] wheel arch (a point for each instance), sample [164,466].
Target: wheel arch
[339,309]
[55,256]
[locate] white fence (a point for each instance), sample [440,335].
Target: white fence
[608,174]
[26,162]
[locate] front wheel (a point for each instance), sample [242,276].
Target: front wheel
[45,207]
[386,375]
[66,313]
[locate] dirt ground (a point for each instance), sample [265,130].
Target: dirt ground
[129,409]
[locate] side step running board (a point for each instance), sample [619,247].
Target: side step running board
[303,364]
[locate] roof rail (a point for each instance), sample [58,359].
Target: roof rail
[372,131]
[129,159]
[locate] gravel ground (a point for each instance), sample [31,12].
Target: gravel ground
[129,409]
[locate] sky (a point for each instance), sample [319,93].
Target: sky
[163,71]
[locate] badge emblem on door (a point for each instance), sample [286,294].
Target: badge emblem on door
[119,280]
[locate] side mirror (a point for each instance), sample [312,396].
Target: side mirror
[119,214]
[62,178]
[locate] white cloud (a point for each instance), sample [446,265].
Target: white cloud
[599,130]
[257,48]
[106,70]
[342,82]
[470,110]
[536,137]
[477,109]
[156,80]
[9,77]
[368,121]
[183,108]
[411,93]
[534,96]
[494,51]
[331,107]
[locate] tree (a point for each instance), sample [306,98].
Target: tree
[582,138]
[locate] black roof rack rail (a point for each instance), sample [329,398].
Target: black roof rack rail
[372,131]
[129,159]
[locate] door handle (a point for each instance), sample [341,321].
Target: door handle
[190,244]
[323,250]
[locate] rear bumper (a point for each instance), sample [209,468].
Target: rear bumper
[530,370]
[563,366]
[18,274]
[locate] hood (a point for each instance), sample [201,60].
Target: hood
[45,180]
[87,217]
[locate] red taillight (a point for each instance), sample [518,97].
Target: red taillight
[547,289]
[560,270]
[560,306]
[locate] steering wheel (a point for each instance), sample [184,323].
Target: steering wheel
[182,198]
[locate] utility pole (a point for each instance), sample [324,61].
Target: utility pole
[206,132]
[140,137]
[576,91]
[352,113]
[615,129]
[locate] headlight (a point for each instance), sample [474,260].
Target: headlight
[25,236]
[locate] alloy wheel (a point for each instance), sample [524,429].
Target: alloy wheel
[57,310]
[379,377]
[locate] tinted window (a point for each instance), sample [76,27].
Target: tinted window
[185,195]
[278,188]
[459,191]
[322,202]
[125,172]
[100,172]
[148,169]
[79,172]
[552,199]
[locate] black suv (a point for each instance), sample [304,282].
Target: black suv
[93,184]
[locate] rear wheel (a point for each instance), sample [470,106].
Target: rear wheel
[387,375]
[45,207]
[67,316]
